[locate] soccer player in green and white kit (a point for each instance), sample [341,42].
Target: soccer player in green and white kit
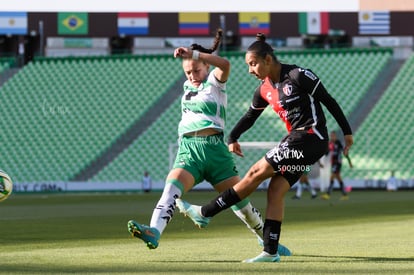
[202,153]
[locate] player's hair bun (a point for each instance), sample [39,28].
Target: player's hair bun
[260,37]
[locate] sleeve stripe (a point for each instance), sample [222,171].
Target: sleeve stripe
[316,86]
[255,108]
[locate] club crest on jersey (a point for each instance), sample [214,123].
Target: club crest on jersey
[287,89]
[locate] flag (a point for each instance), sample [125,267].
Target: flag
[313,23]
[251,23]
[72,23]
[131,23]
[374,22]
[194,23]
[13,23]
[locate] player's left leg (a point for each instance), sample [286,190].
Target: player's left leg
[249,216]
[311,189]
[299,189]
[327,195]
[278,187]
[342,185]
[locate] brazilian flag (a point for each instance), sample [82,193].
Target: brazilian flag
[72,23]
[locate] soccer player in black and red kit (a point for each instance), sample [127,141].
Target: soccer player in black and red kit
[296,95]
[336,150]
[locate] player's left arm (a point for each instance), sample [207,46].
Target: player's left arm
[349,160]
[315,88]
[346,153]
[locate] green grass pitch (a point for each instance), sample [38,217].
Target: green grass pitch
[86,233]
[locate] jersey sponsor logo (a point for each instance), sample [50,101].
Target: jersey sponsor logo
[292,99]
[287,89]
[310,75]
[189,95]
[282,152]
[280,103]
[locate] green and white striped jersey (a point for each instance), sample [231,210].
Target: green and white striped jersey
[203,107]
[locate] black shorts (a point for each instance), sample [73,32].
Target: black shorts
[295,154]
[336,167]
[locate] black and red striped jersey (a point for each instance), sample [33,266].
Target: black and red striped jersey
[336,148]
[297,99]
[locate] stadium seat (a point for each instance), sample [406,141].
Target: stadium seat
[385,136]
[69,110]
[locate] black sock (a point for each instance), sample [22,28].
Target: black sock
[330,188]
[221,202]
[271,235]
[341,183]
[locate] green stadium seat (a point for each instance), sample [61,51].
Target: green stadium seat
[390,136]
[90,95]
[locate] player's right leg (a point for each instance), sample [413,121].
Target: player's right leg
[178,181]
[161,216]
[149,235]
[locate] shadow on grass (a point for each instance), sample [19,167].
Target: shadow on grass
[198,261]
[299,258]
[355,258]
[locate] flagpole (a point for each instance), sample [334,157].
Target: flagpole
[223,27]
[41,37]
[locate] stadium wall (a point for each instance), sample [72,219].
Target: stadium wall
[343,26]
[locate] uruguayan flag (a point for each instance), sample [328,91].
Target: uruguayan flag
[374,22]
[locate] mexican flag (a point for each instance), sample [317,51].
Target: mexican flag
[313,23]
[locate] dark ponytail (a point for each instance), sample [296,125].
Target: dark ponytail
[261,48]
[216,43]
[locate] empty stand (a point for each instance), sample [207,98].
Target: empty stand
[59,115]
[62,113]
[384,140]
